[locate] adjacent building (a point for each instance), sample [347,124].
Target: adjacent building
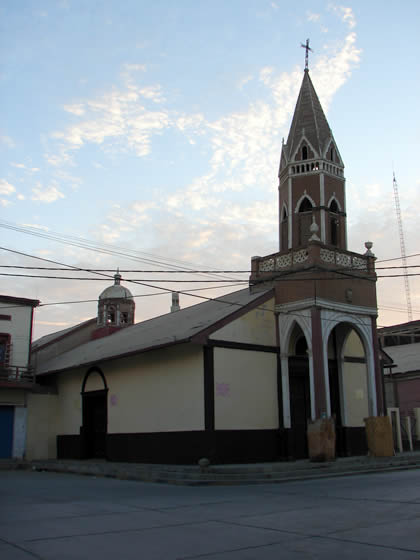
[401,344]
[16,377]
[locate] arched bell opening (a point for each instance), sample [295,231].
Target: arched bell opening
[334,223]
[304,215]
[284,229]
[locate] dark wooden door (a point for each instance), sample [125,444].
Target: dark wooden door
[300,412]
[95,423]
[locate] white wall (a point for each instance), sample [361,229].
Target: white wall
[255,327]
[19,328]
[245,390]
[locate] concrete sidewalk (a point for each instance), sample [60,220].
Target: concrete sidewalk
[192,475]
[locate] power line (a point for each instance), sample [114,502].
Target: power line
[213,272]
[398,258]
[130,270]
[79,278]
[134,296]
[98,247]
[166,290]
[187,281]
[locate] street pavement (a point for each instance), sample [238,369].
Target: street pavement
[56,516]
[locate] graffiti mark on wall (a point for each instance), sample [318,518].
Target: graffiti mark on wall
[222,389]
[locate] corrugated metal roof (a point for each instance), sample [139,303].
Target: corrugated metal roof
[165,330]
[48,338]
[406,357]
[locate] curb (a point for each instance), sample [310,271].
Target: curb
[188,475]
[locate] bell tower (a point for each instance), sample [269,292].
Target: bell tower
[325,295]
[311,177]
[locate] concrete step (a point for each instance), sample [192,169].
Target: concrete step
[226,474]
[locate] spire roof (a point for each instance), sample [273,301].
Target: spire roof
[308,120]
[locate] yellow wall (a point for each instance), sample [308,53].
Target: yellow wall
[155,391]
[255,327]
[353,346]
[41,428]
[69,385]
[355,387]
[355,383]
[245,390]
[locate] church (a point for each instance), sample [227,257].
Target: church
[238,378]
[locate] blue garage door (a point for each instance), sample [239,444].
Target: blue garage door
[6,431]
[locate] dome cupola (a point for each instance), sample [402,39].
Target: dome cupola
[116,305]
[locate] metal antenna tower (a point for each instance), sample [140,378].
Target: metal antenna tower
[402,246]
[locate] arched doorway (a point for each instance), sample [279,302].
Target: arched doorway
[299,391]
[348,388]
[95,414]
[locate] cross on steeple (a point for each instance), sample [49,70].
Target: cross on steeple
[307,49]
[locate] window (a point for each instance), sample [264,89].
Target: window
[4,349]
[304,152]
[305,205]
[110,315]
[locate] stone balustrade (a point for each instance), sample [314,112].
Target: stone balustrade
[315,254]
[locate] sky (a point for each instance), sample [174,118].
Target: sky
[147,136]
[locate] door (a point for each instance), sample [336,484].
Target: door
[95,423]
[300,413]
[336,408]
[6,431]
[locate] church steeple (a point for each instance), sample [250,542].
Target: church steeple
[311,176]
[309,124]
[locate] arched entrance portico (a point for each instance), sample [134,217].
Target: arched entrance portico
[350,381]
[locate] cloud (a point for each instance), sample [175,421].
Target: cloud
[245,80]
[331,72]
[345,14]
[4,202]
[313,17]
[6,188]
[76,109]
[117,119]
[7,141]
[47,194]
[23,166]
